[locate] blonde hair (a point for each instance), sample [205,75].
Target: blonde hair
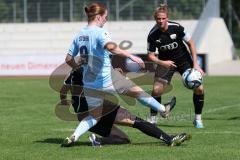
[163,8]
[94,9]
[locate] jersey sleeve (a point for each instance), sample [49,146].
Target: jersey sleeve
[151,47]
[73,50]
[104,38]
[184,34]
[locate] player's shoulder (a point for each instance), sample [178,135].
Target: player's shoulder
[154,30]
[174,25]
[101,32]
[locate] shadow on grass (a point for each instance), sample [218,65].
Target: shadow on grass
[174,125]
[149,143]
[59,141]
[155,144]
[234,118]
[222,118]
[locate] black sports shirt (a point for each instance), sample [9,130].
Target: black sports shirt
[170,43]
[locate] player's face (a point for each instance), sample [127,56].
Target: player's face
[103,19]
[161,19]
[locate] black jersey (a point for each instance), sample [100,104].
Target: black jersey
[170,43]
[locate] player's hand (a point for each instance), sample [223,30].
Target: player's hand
[137,60]
[199,69]
[168,64]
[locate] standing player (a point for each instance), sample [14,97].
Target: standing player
[170,38]
[112,114]
[94,45]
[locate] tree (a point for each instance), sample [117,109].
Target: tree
[5,11]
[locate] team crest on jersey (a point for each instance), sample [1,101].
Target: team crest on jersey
[158,40]
[106,35]
[173,36]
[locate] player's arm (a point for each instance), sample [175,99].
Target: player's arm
[152,56]
[63,94]
[71,62]
[106,42]
[167,63]
[72,52]
[191,45]
[113,48]
[193,51]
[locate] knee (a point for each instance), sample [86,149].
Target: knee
[157,91]
[199,90]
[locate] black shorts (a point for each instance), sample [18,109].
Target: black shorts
[182,64]
[104,126]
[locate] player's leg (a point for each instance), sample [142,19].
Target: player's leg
[161,84]
[157,91]
[198,101]
[95,115]
[64,90]
[132,90]
[126,87]
[125,118]
[145,98]
[198,93]
[86,123]
[105,128]
[86,119]
[116,136]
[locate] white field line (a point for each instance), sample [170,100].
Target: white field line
[218,132]
[218,109]
[63,129]
[222,108]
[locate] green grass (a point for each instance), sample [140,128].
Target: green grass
[238,52]
[29,128]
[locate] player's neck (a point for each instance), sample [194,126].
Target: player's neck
[94,23]
[164,29]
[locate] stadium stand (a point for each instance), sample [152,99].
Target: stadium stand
[39,40]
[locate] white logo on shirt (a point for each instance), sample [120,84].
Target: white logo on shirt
[158,40]
[170,46]
[173,36]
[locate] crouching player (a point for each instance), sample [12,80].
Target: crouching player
[111,115]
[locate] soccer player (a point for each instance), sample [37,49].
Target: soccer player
[171,39]
[112,114]
[94,45]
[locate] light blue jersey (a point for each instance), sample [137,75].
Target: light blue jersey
[97,72]
[90,41]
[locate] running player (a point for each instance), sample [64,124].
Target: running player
[94,45]
[173,55]
[112,114]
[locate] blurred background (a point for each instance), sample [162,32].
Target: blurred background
[35,34]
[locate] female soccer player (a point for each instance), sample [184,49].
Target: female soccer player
[112,114]
[94,45]
[173,55]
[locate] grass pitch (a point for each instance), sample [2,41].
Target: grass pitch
[29,128]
